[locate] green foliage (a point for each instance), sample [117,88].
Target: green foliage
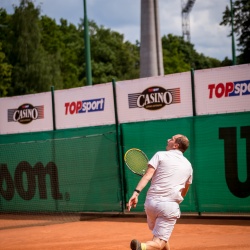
[112,58]
[173,56]
[33,69]
[5,74]
[180,56]
[241,23]
[43,53]
[38,53]
[226,62]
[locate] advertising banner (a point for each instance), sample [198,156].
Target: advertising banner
[221,160]
[70,174]
[154,98]
[28,113]
[85,106]
[222,90]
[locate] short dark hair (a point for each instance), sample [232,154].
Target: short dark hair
[183,142]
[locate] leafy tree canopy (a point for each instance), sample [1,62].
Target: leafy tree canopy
[241,22]
[37,53]
[5,74]
[180,56]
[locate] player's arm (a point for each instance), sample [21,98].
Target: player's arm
[142,183]
[185,190]
[146,178]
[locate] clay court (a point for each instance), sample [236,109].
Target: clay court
[115,232]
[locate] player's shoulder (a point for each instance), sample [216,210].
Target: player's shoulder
[161,153]
[187,162]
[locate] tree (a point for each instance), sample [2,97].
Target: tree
[173,58]
[38,53]
[5,74]
[241,10]
[180,56]
[64,44]
[34,70]
[111,57]
[226,62]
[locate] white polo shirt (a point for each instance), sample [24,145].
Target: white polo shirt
[172,172]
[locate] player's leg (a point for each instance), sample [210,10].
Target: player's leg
[167,246]
[155,244]
[161,218]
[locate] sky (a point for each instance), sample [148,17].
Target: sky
[123,16]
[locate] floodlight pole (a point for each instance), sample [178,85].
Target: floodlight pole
[87,46]
[232,24]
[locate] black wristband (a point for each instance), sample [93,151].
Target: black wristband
[137,191]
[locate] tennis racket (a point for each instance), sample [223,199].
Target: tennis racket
[136,160]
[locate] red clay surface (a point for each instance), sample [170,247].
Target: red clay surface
[116,233]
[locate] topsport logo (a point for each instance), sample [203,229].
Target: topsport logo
[84,106]
[154,98]
[229,89]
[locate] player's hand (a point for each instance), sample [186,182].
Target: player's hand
[132,202]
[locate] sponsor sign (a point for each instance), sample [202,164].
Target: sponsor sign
[28,113]
[154,98]
[229,89]
[86,106]
[35,178]
[222,90]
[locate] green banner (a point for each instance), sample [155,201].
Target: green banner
[78,170]
[75,171]
[222,162]
[151,137]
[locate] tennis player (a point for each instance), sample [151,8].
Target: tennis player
[171,175]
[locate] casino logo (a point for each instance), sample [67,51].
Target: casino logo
[154,98]
[26,113]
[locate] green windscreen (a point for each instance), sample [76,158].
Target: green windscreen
[219,152]
[65,173]
[82,170]
[151,137]
[222,163]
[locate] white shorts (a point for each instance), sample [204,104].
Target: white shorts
[161,217]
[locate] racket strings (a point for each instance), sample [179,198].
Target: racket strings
[137,161]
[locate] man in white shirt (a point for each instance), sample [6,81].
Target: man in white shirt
[171,175]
